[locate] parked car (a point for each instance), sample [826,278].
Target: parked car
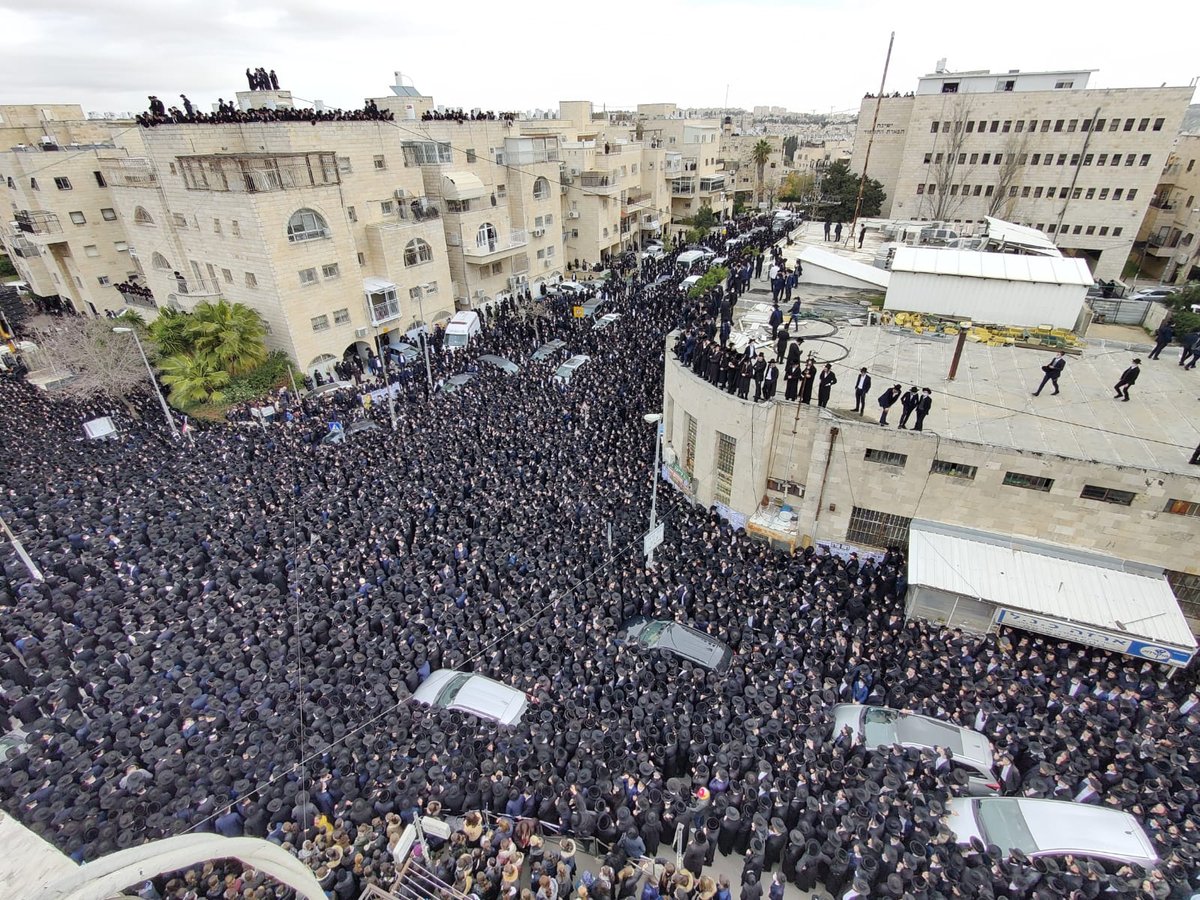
[456,382]
[344,434]
[548,349]
[681,640]
[502,363]
[1159,293]
[324,390]
[1051,828]
[564,372]
[879,726]
[605,321]
[475,694]
[570,289]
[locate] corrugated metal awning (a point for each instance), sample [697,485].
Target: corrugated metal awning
[1066,584]
[998,266]
[462,186]
[373,285]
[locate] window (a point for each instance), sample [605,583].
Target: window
[1091,229]
[387,207]
[216,226]
[1103,230]
[689,444]
[416,252]
[306,225]
[1012,191]
[1143,125]
[330,270]
[1187,591]
[235,228]
[995,126]
[308,276]
[1132,193]
[1076,193]
[91,250]
[1030,482]
[341,316]
[1158,124]
[1062,159]
[1116,160]
[1045,125]
[1090,195]
[1100,124]
[501,192]
[877,529]
[949,87]
[541,189]
[343,164]
[953,469]
[549,218]
[1037,193]
[1072,124]
[1063,85]
[180,220]
[227,275]
[1058,125]
[320,323]
[1107,495]
[1074,159]
[380,163]
[974,158]
[933,127]
[989,190]
[920,188]
[1086,126]
[160,262]
[351,214]
[885,457]
[78,218]
[1183,508]
[251,280]
[1118,193]
[1128,125]
[987,157]
[33,185]
[1145,161]
[1077,229]
[471,157]
[1130,158]
[1103,193]
[486,236]
[120,246]
[726,455]
[1025,191]
[63,184]
[1035,159]
[1117,231]
[108,214]
[1007,126]
[1102,159]
[104,280]
[100,182]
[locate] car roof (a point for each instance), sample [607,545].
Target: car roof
[573,363]
[1061,826]
[499,362]
[548,349]
[915,730]
[478,695]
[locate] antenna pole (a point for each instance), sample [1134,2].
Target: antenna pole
[862,184]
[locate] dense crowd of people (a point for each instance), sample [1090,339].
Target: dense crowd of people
[476,115]
[214,616]
[228,114]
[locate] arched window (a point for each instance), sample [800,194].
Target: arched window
[159,261]
[485,237]
[142,217]
[416,252]
[541,189]
[306,225]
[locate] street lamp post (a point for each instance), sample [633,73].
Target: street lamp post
[654,419]
[387,379]
[425,338]
[154,381]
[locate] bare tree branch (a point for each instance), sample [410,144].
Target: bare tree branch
[1002,204]
[102,362]
[949,168]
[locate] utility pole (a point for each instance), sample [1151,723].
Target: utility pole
[387,380]
[425,338]
[154,381]
[862,184]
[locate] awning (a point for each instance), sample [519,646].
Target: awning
[462,186]
[373,285]
[1063,592]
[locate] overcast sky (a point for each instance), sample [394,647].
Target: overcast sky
[806,55]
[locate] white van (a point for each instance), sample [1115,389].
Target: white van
[460,329]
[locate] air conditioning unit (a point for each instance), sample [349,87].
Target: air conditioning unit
[400,194]
[574,171]
[480,294]
[573,214]
[539,232]
[360,332]
[547,263]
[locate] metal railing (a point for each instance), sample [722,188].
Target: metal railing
[24,248]
[517,238]
[32,221]
[385,311]
[133,171]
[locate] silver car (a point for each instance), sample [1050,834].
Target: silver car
[564,372]
[675,637]
[879,726]
[1051,828]
[504,365]
[475,694]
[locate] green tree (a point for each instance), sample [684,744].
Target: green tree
[760,154]
[170,332]
[7,269]
[700,224]
[194,378]
[712,278]
[791,144]
[230,333]
[839,189]
[1181,304]
[796,187]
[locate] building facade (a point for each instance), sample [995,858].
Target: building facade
[1167,248]
[1038,148]
[693,159]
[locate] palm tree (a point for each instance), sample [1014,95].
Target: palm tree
[760,154]
[194,378]
[169,332]
[231,333]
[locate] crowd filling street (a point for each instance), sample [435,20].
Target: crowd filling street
[229,633]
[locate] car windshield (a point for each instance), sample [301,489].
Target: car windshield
[913,730]
[1001,823]
[456,340]
[447,695]
[879,726]
[652,633]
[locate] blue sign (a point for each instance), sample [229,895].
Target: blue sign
[1093,637]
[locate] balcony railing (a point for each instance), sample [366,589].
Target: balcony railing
[384,311]
[682,188]
[651,224]
[1162,204]
[637,196]
[672,166]
[197,289]
[597,183]
[133,171]
[24,248]
[32,221]
[517,238]
[136,295]
[418,209]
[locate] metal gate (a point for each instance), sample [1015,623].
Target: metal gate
[1119,312]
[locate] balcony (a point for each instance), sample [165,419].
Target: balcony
[682,187]
[23,247]
[712,185]
[651,224]
[196,289]
[598,183]
[37,222]
[133,171]
[487,251]
[136,295]
[638,196]
[672,166]
[418,210]
[258,173]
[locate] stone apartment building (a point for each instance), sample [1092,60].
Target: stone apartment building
[1166,247]
[61,228]
[693,165]
[1038,148]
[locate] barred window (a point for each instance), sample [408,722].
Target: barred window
[1107,495]
[689,445]
[953,469]
[1183,508]
[1030,482]
[877,529]
[885,457]
[726,453]
[1187,591]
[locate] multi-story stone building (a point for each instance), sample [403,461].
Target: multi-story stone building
[62,230]
[1039,148]
[1167,248]
[692,163]
[737,154]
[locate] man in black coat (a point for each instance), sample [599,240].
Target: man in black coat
[827,380]
[1053,370]
[862,384]
[1128,379]
[924,405]
[887,400]
[909,404]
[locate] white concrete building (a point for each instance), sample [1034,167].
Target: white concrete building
[1038,148]
[1167,248]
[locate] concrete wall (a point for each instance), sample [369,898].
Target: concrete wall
[985,300]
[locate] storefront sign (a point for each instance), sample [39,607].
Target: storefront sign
[1092,637]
